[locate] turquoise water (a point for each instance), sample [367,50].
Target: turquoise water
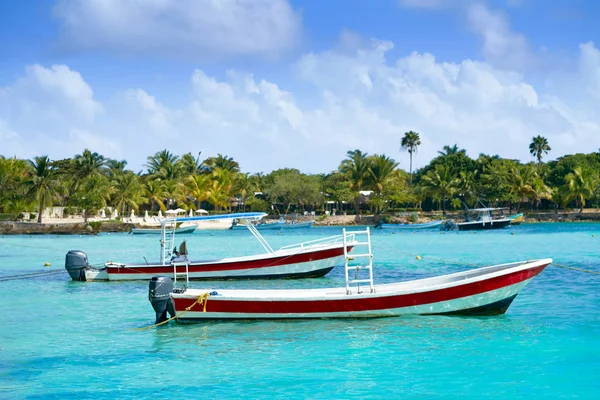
[63,339]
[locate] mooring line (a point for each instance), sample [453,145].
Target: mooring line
[587,271]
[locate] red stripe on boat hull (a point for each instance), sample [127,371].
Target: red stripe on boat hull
[270,306]
[231,266]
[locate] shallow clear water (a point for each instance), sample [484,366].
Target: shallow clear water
[64,339]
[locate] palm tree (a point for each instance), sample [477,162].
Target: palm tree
[356,167]
[447,150]
[527,185]
[127,191]
[163,159]
[538,147]
[410,142]
[87,164]
[222,162]
[579,186]
[220,189]
[93,193]
[257,180]
[190,165]
[154,191]
[197,186]
[42,183]
[13,172]
[380,167]
[440,184]
[115,167]
[242,185]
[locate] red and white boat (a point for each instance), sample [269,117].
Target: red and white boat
[483,291]
[303,260]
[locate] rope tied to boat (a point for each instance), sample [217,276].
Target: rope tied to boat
[587,271]
[202,300]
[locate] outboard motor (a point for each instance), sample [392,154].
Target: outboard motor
[449,225]
[159,294]
[75,263]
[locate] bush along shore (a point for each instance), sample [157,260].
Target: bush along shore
[91,228]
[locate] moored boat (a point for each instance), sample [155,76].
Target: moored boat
[516,219]
[482,219]
[179,229]
[426,225]
[308,259]
[483,291]
[277,225]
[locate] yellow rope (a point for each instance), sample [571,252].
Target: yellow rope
[202,300]
[587,271]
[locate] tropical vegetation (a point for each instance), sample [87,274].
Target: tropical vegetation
[363,182]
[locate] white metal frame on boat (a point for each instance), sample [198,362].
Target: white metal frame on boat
[169,225]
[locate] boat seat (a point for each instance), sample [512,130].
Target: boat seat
[183,249]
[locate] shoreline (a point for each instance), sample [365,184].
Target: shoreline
[92,228]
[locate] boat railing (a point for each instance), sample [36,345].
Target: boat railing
[327,241]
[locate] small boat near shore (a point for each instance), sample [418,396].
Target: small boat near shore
[482,219]
[146,231]
[277,225]
[516,219]
[482,291]
[310,259]
[426,225]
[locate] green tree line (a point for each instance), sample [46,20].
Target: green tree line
[362,183]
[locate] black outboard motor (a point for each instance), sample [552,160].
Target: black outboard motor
[75,263]
[159,294]
[449,225]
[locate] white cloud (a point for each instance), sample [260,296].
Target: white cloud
[355,99]
[501,45]
[189,29]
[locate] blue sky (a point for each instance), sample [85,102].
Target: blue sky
[277,83]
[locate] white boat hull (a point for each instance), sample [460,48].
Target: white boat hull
[294,263]
[484,291]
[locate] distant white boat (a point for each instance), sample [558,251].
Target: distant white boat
[145,231]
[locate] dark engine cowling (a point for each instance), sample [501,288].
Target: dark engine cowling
[159,294]
[76,262]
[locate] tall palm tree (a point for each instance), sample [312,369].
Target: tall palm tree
[538,147]
[42,183]
[356,167]
[447,150]
[410,142]
[440,184]
[380,168]
[579,186]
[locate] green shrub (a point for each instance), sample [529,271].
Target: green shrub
[413,218]
[32,216]
[96,225]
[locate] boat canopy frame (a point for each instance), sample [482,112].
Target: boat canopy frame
[169,225]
